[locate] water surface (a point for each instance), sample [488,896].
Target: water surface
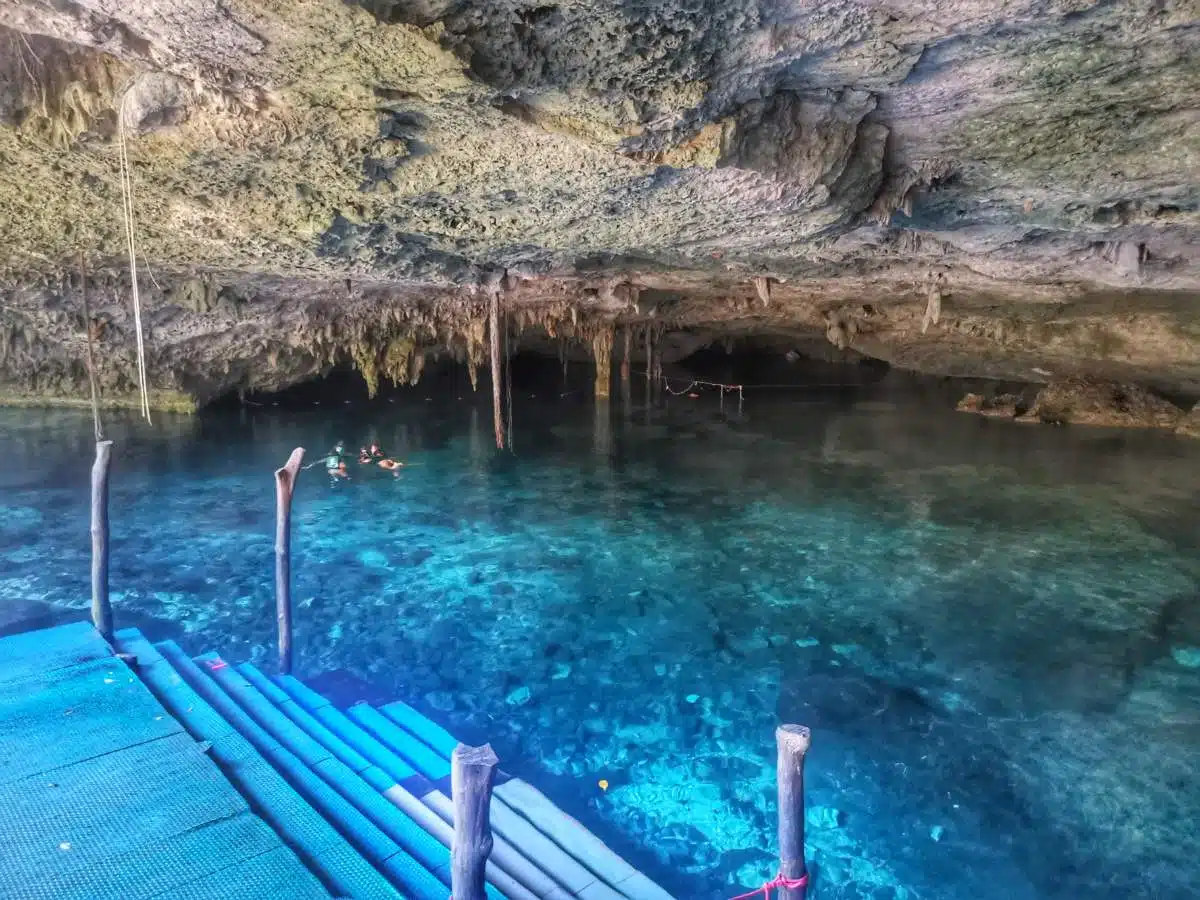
[993,630]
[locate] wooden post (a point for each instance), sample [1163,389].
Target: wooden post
[625,359]
[285,485]
[101,608]
[472,775]
[602,348]
[792,742]
[494,328]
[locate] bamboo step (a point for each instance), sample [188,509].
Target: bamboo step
[398,848]
[578,879]
[301,827]
[533,805]
[506,871]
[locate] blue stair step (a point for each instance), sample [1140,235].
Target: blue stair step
[541,812]
[381,850]
[310,836]
[417,843]
[508,871]
[576,878]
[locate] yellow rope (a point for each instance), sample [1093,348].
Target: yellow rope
[127,198]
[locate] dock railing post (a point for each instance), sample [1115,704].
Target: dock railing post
[101,608]
[472,776]
[793,743]
[285,485]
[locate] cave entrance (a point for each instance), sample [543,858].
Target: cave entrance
[540,367]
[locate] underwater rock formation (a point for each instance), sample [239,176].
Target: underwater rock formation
[963,188]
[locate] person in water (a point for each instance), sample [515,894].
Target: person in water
[364,456]
[377,451]
[335,461]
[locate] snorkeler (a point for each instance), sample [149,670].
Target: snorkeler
[363,455]
[335,463]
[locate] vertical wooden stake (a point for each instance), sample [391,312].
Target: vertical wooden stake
[101,608]
[472,776]
[793,743]
[649,354]
[494,328]
[285,485]
[625,358]
[602,347]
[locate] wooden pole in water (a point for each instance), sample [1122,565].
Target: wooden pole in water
[625,359]
[285,486]
[472,776]
[101,608]
[494,328]
[793,743]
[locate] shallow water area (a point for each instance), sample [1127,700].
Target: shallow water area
[993,630]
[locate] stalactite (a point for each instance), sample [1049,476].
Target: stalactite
[602,347]
[933,301]
[416,365]
[474,335]
[397,359]
[762,284]
[366,360]
[494,333]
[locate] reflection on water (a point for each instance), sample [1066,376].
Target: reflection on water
[992,629]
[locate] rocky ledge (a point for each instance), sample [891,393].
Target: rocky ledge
[953,186]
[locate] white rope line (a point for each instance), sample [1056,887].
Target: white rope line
[127,197]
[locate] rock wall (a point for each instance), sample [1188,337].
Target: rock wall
[954,186]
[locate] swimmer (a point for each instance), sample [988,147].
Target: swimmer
[338,471]
[335,460]
[376,451]
[363,455]
[390,464]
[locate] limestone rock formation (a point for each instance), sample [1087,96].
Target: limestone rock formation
[1001,406]
[1082,401]
[953,186]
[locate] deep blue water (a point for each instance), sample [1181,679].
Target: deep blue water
[993,630]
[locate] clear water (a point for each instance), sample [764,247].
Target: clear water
[993,630]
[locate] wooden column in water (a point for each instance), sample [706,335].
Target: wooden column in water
[494,328]
[793,743]
[472,776]
[602,347]
[625,359]
[101,608]
[285,486]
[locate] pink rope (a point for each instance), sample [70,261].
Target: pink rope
[777,882]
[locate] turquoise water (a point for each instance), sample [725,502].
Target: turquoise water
[993,630]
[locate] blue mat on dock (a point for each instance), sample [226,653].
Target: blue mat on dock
[160,776]
[104,795]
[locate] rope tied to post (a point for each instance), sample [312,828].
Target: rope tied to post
[779,881]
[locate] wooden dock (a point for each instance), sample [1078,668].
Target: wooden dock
[154,775]
[106,795]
